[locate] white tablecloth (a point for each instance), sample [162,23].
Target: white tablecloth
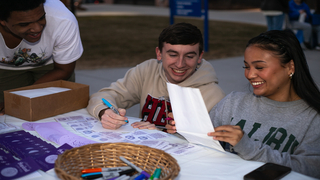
[205,164]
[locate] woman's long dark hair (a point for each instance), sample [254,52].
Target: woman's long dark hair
[286,46]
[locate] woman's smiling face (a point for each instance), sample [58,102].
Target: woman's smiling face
[267,75]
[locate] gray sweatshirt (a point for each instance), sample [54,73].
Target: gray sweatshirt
[285,133]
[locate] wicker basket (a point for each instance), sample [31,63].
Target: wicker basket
[68,165]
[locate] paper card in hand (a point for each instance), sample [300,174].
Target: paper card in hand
[191,115]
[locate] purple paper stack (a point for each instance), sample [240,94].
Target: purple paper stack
[22,153]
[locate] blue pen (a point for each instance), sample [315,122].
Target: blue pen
[90,174]
[111,107]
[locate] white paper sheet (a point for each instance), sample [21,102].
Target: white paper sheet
[32,93]
[191,116]
[7,127]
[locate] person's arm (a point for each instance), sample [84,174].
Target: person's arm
[224,132]
[67,47]
[293,12]
[227,133]
[305,159]
[309,15]
[123,93]
[60,71]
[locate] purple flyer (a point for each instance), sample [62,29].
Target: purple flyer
[6,158]
[22,144]
[18,169]
[46,162]
[54,132]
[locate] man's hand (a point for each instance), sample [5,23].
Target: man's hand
[227,133]
[171,128]
[111,120]
[143,125]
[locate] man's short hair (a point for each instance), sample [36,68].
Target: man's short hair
[181,33]
[7,6]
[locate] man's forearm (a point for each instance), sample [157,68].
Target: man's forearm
[52,76]
[59,72]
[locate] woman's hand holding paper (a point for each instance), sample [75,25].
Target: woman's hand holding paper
[227,133]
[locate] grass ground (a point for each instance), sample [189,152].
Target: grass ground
[124,41]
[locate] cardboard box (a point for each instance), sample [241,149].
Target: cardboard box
[33,109]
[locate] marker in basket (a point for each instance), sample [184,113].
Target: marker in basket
[157,174]
[105,169]
[140,177]
[134,176]
[123,177]
[106,175]
[112,108]
[134,167]
[151,177]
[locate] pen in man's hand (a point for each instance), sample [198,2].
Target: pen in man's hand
[111,107]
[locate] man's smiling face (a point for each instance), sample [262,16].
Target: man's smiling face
[179,61]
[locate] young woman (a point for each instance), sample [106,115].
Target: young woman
[279,122]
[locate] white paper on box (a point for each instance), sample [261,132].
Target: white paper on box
[32,93]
